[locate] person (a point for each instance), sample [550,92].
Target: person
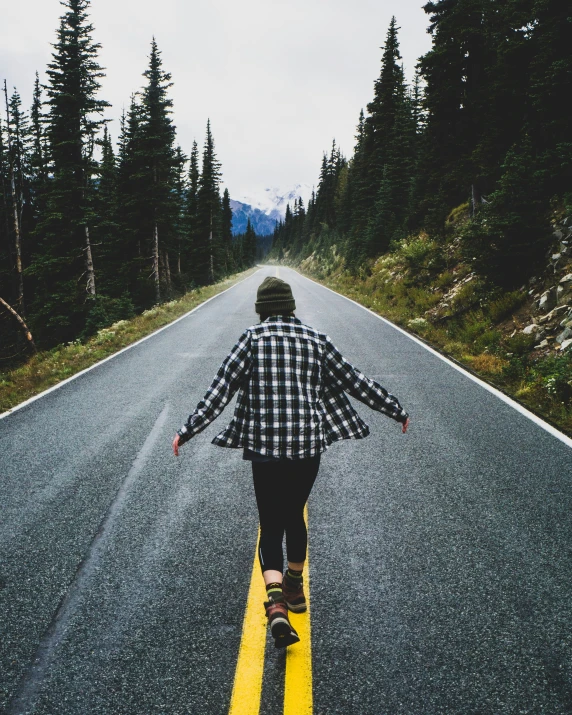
[291,406]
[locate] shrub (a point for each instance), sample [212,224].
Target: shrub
[471,329]
[490,364]
[416,251]
[468,296]
[420,325]
[455,348]
[516,369]
[458,215]
[489,339]
[520,344]
[445,280]
[104,311]
[505,305]
[556,374]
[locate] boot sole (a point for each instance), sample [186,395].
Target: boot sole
[283,634]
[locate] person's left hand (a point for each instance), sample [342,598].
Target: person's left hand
[405,425]
[176,445]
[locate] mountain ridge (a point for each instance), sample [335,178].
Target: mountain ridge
[265,207]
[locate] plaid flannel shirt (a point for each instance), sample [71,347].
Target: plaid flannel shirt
[291,402]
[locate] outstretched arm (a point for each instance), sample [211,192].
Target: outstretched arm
[234,370]
[349,378]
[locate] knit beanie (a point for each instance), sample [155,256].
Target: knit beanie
[274,297]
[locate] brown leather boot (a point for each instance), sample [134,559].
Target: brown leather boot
[293,590]
[277,613]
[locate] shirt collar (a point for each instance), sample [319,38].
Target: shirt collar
[283,319]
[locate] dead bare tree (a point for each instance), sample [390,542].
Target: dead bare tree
[17,227]
[21,323]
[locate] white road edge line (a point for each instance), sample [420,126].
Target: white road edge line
[505,398]
[128,347]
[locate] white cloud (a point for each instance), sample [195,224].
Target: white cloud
[278,80]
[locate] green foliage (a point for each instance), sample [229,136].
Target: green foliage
[458,215]
[556,375]
[444,280]
[416,252]
[99,238]
[472,133]
[519,344]
[207,248]
[509,236]
[469,296]
[504,306]
[104,310]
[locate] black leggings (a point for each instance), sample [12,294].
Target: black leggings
[282,489]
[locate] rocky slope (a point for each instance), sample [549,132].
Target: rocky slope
[520,340]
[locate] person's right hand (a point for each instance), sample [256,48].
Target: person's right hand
[176,445]
[405,425]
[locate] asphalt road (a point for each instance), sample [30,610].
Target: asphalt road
[441,560]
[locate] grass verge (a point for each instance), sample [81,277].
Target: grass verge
[49,367]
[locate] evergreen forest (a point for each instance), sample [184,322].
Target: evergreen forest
[93,232]
[481,129]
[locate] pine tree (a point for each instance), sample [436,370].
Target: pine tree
[158,169]
[17,133]
[507,239]
[226,231]
[207,250]
[549,31]
[386,104]
[181,190]
[134,229]
[38,160]
[356,199]
[456,99]
[9,336]
[106,225]
[190,218]
[63,258]
[249,245]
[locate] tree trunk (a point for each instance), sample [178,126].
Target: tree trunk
[22,324]
[211,250]
[90,287]
[167,272]
[17,233]
[156,276]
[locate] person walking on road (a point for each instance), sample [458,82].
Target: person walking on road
[291,406]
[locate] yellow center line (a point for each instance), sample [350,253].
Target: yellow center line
[298,679]
[247,688]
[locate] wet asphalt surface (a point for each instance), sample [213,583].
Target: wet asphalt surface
[440,560]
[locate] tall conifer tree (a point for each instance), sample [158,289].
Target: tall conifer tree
[64,260]
[207,240]
[158,167]
[226,231]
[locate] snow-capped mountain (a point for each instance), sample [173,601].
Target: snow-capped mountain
[265,207]
[272,201]
[261,222]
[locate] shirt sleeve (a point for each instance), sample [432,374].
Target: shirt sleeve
[231,374]
[344,375]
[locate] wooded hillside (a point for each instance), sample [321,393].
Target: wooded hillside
[92,233]
[483,122]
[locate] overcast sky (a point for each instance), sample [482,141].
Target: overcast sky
[279,80]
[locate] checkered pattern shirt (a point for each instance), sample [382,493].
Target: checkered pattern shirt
[291,402]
